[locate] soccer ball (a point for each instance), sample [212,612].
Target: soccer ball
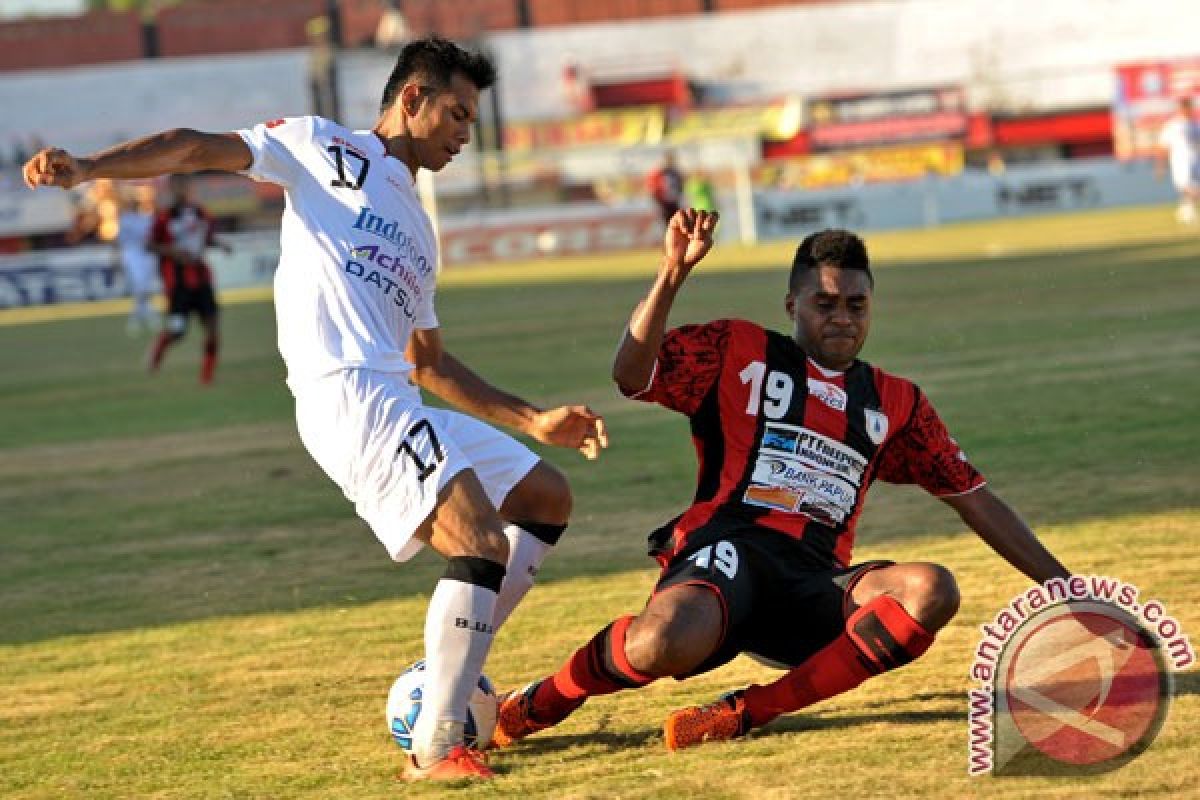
[404,706]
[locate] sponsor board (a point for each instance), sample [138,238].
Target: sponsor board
[87,273]
[91,272]
[26,213]
[855,167]
[1147,95]
[884,117]
[79,274]
[622,128]
[1020,191]
[532,237]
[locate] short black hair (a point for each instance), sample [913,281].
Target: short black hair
[436,61]
[833,247]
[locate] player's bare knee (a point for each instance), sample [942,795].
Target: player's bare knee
[930,594]
[646,645]
[556,495]
[541,496]
[654,648]
[673,638]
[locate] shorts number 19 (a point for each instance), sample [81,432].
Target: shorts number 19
[726,558]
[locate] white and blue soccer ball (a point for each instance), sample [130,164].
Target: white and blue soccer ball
[404,707]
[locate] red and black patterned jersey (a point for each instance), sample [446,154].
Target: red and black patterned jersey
[188,229]
[786,445]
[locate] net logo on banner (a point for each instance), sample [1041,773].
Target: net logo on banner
[1075,678]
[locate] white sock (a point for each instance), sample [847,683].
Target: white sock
[526,553]
[458,635]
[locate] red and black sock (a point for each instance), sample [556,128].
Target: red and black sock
[879,636]
[599,667]
[159,350]
[209,365]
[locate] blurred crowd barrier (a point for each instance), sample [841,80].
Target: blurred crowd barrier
[90,272]
[961,110]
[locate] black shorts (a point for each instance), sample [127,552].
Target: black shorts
[776,604]
[184,301]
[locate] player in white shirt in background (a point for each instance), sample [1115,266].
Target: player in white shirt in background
[138,263]
[354,306]
[1179,148]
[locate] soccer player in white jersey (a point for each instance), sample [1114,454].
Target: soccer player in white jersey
[1179,148]
[354,305]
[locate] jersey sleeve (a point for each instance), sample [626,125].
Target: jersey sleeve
[924,453]
[425,317]
[275,149]
[688,365]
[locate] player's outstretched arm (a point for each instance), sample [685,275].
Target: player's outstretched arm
[1005,532]
[173,151]
[688,239]
[436,370]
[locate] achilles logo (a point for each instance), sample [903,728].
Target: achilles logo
[478,626]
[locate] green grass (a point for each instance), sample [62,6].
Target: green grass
[191,610]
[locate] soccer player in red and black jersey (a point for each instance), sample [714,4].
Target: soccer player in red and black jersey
[180,235]
[790,432]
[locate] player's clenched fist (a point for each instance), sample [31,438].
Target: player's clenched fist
[53,167]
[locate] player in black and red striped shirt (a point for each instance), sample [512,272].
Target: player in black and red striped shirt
[790,432]
[181,234]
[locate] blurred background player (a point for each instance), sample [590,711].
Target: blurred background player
[1179,149]
[665,184]
[180,235]
[96,214]
[358,333]
[698,192]
[792,430]
[134,226]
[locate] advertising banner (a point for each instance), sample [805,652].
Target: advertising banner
[858,120]
[548,232]
[625,128]
[25,213]
[1147,94]
[1021,191]
[60,276]
[878,165]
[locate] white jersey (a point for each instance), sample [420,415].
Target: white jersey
[1181,139]
[133,239]
[133,229]
[358,261]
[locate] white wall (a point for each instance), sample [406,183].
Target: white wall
[90,107]
[1026,53]
[1011,54]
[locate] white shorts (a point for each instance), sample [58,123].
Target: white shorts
[140,267]
[391,455]
[1185,176]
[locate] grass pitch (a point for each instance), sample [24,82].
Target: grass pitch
[191,610]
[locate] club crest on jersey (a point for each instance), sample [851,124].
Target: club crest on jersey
[877,425]
[830,394]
